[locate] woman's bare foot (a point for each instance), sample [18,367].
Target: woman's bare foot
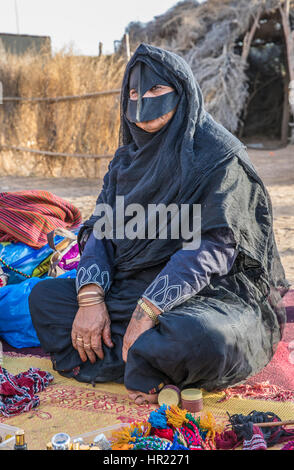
[141,398]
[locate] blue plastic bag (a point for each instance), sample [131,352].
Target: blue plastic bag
[20,261]
[16,326]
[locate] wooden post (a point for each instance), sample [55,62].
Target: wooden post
[248,38]
[127,43]
[100,48]
[286,112]
[289,41]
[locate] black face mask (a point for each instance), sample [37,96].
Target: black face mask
[143,78]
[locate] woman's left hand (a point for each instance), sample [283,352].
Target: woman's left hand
[139,323]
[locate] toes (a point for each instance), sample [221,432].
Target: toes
[141,400]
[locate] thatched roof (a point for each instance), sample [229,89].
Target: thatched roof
[210,36]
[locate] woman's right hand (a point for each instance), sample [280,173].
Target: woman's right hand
[91,326]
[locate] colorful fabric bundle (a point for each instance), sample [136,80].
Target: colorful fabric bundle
[18,393]
[27,216]
[20,261]
[168,428]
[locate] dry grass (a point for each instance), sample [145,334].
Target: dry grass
[86,126]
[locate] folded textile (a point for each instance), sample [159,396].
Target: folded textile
[18,393]
[27,216]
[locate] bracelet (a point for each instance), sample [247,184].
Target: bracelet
[89,304]
[87,293]
[90,297]
[149,311]
[86,299]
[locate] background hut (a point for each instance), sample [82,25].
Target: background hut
[242,54]
[22,43]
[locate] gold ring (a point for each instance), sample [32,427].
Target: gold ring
[87,345]
[80,340]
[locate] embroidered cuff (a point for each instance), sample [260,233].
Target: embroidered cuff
[92,275]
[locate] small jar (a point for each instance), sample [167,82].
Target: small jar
[169,395]
[60,441]
[192,400]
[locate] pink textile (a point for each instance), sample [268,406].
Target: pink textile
[280,370]
[276,380]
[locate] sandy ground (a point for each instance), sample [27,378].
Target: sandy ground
[275,167]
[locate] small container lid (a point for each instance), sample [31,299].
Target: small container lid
[191,394]
[169,395]
[84,447]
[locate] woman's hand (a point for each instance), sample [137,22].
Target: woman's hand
[139,323]
[91,325]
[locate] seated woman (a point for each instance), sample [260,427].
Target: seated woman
[149,311]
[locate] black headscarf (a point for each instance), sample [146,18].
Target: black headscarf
[191,160]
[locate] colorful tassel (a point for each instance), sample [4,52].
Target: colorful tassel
[122,447]
[130,434]
[151,443]
[176,417]
[208,423]
[158,419]
[193,438]
[167,433]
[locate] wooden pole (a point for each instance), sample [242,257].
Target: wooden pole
[286,112]
[289,41]
[248,38]
[100,48]
[127,43]
[275,423]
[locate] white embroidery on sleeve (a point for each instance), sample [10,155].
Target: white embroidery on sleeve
[92,275]
[163,295]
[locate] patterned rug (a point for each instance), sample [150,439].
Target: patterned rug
[76,408]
